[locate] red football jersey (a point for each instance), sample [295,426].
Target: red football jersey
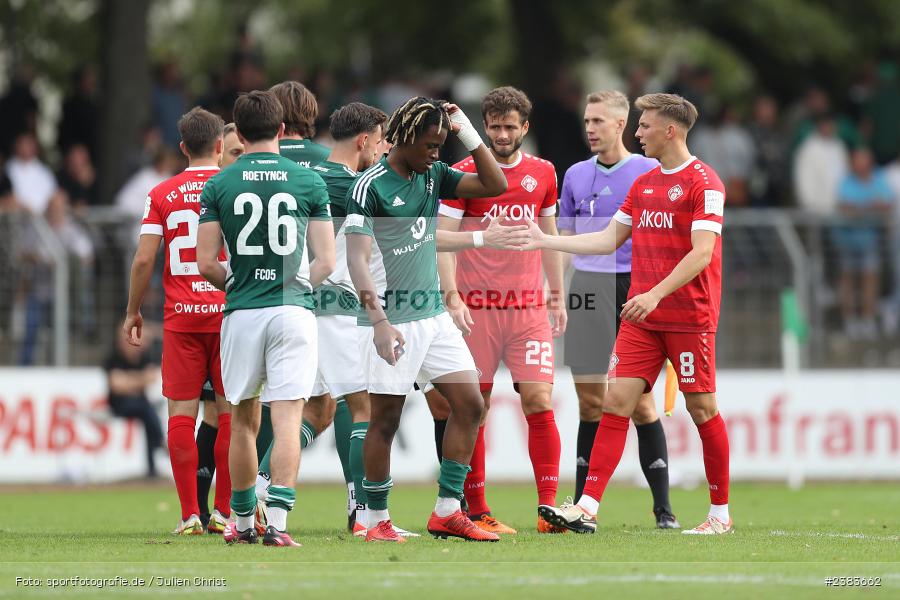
[173,211]
[502,278]
[663,207]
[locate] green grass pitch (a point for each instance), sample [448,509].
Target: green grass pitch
[786,544]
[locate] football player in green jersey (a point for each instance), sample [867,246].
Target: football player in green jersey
[395,202]
[300,112]
[358,132]
[265,208]
[299,109]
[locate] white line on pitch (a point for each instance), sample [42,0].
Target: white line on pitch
[827,534]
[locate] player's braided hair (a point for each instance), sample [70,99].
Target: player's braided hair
[414,117]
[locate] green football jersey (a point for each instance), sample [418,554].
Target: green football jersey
[305,153]
[339,178]
[401,214]
[337,296]
[263,203]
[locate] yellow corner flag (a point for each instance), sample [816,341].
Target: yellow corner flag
[671,388]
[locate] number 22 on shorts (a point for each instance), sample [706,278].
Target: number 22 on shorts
[535,348]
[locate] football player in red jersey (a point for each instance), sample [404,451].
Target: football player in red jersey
[674,216]
[496,298]
[591,193]
[192,317]
[209,426]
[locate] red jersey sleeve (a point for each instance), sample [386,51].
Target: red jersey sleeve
[548,206]
[623,215]
[456,207]
[708,198]
[453,207]
[152,223]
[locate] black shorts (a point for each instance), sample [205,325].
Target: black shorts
[207,394]
[594,304]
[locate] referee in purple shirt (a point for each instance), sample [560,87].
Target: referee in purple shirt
[592,191]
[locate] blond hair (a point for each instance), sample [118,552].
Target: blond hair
[613,99]
[230,128]
[671,106]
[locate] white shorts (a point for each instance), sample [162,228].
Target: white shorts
[434,347]
[340,363]
[320,388]
[269,352]
[424,383]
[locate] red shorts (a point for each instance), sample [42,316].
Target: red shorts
[641,353]
[188,359]
[521,337]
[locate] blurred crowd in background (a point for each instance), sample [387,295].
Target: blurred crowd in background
[831,160]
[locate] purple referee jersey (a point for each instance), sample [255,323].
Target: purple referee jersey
[591,195]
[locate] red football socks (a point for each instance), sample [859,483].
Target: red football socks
[714,436]
[223,475]
[544,449]
[606,453]
[183,454]
[474,488]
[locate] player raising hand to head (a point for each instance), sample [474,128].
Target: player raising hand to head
[394,203]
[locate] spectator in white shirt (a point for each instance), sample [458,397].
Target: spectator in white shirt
[819,167]
[33,182]
[132,198]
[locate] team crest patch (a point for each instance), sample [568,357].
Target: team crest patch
[529,183]
[613,361]
[675,192]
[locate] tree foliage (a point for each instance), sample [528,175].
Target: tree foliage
[777,45]
[781,44]
[54,37]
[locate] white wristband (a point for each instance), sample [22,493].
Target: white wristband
[467,134]
[478,239]
[469,138]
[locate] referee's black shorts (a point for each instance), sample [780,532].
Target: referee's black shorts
[207,394]
[594,304]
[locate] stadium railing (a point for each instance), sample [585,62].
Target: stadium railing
[765,253]
[54,309]
[34,287]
